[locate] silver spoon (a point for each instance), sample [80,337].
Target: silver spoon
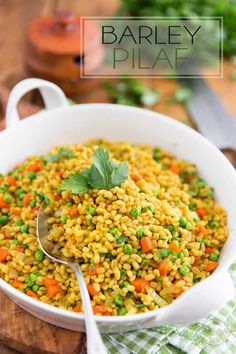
[95,344]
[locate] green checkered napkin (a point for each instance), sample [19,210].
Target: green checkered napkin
[213,335]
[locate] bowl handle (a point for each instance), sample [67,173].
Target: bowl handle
[53,97]
[199,301]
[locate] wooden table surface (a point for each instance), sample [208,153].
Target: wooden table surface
[15,15]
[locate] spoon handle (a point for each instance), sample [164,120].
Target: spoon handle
[95,344]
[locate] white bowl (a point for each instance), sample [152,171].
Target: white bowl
[63,124]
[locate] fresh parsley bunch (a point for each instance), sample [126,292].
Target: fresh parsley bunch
[103,174]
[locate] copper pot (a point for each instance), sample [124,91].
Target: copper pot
[54,51]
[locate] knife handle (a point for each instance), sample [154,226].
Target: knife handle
[231,156]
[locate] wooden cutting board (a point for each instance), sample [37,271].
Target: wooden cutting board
[29,335]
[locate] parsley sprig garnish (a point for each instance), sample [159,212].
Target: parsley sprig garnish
[103,174]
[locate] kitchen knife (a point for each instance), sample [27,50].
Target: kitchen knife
[210,115]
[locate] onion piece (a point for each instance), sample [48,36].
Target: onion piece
[157,298]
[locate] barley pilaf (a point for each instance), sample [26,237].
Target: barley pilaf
[140,244]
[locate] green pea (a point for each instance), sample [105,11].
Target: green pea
[39,256]
[32,175]
[180,255]
[69,204]
[29,282]
[135,212]
[35,288]
[150,207]
[138,272]
[213,257]
[184,223]
[64,219]
[184,270]
[139,233]
[128,249]
[192,206]
[32,203]
[4,219]
[24,229]
[19,204]
[118,300]
[203,241]
[113,231]
[122,272]
[14,242]
[4,187]
[163,253]
[108,255]
[19,193]
[121,239]
[91,211]
[7,198]
[171,228]
[90,222]
[33,276]
[19,223]
[214,225]
[47,200]
[124,284]
[122,311]
[157,154]
[201,183]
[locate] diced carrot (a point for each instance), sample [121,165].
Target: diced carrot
[35,167]
[92,291]
[26,200]
[176,280]
[11,181]
[101,309]
[92,269]
[3,255]
[3,205]
[202,212]
[32,294]
[197,260]
[174,247]
[201,230]
[73,211]
[53,290]
[140,284]
[209,250]
[135,177]
[179,293]
[146,244]
[19,249]
[50,282]
[1,180]
[17,283]
[210,266]
[16,211]
[36,208]
[164,268]
[175,169]
[77,309]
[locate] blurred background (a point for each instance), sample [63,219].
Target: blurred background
[29,46]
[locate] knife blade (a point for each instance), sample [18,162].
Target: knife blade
[210,115]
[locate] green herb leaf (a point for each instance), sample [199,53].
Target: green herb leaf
[62,153]
[103,174]
[76,183]
[119,174]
